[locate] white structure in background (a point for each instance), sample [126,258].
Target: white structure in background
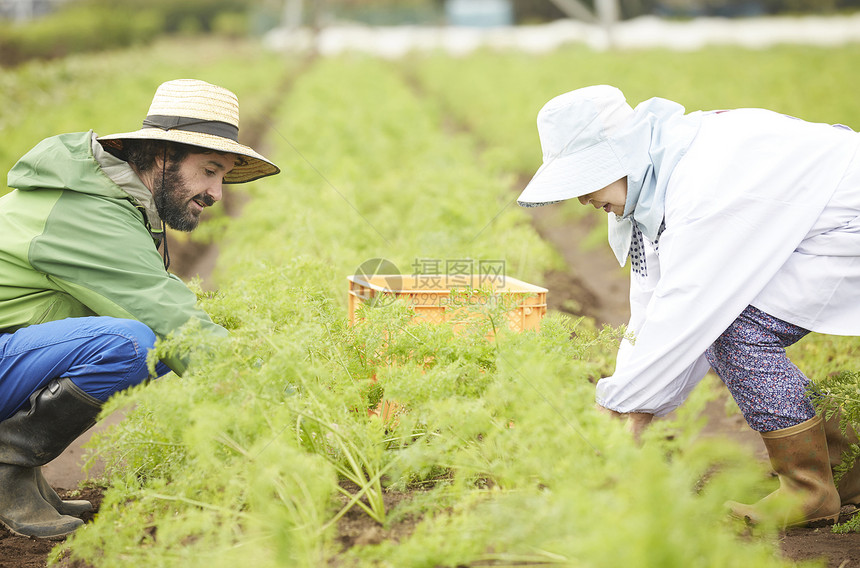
[25,10]
[643,32]
[493,20]
[479,13]
[607,14]
[293,14]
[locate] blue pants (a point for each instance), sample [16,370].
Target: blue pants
[750,358]
[101,355]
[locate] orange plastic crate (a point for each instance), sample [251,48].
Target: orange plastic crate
[430,295]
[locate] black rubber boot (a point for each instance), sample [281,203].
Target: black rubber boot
[75,508]
[29,439]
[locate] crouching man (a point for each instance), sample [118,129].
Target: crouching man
[84,290]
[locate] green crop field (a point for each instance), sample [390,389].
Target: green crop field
[264,449]
[109,92]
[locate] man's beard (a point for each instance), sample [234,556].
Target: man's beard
[173,209]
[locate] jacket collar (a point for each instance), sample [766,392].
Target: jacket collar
[125,177]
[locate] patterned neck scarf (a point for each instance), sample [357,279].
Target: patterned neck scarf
[650,147]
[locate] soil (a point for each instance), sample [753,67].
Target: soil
[20,552]
[355,528]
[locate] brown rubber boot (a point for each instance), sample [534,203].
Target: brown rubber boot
[806,494]
[837,444]
[29,439]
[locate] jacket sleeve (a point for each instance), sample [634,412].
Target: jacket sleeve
[98,251]
[712,269]
[642,286]
[736,210]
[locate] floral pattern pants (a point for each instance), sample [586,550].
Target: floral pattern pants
[750,358]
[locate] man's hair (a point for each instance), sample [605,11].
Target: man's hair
[142,153]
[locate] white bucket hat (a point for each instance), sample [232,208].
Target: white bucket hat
[578,158]
[200,114]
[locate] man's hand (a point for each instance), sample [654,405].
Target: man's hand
[636,421]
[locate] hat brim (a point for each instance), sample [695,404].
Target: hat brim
[573,175]
[249,167]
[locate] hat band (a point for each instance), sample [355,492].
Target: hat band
[214,127]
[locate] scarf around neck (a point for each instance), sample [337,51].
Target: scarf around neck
[649,147]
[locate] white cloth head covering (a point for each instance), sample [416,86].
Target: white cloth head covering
[576,131]
[591,138]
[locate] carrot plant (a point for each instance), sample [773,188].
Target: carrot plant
[256,453]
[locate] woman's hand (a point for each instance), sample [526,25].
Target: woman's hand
[636,421]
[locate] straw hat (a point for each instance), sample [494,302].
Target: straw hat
[201,114]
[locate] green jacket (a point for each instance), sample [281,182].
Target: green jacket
[74,243]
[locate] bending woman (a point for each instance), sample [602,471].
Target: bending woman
[743,232]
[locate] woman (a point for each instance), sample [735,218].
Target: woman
[743,232]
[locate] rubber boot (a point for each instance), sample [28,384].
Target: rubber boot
[837,443]
[806,494]
[75,508]
[29,439]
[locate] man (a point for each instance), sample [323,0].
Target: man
[84,291]
[742,228]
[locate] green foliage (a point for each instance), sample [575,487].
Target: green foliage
[86,26]
[231,24]
[831,362]
[824,356]
[213,460]
[76,28]
[839,395]
[504,92]
[99,92]
[364,182]
[841,392]
[195,14]
[253,456]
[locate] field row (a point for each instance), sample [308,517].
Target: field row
[255,455]
[498,456]
[110,92]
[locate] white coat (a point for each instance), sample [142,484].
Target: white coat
[762,210]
